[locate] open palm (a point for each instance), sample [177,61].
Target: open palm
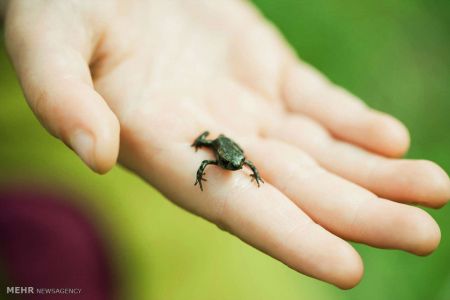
[162,72]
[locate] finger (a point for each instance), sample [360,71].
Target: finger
[307,91]
[262,217]
[407,181]
[51,56]
[342,207]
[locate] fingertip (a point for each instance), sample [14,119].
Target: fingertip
[390,134]
[427,183]
[90,128]
[97,149]
[350,268]
[426,233]
[435,181]
[107,143]
[324,256]
[338,263]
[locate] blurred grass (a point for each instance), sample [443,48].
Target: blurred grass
[393,54]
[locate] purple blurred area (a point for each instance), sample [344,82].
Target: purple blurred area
[46,242]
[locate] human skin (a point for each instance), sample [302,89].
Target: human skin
[151,75]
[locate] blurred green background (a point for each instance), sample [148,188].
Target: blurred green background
[394,54]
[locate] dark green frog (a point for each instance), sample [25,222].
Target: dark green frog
[229,156]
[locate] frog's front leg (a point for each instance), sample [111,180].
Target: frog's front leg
[201,141]
[255,174]
[201,171]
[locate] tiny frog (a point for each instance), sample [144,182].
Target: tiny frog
[229,156]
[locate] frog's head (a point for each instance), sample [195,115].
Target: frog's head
[232,163]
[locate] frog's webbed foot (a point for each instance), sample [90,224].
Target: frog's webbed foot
[199,180]
[201,141]
[257,178]
[201,172]
[255,175]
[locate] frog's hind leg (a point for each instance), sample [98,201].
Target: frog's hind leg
[201,141]
[255,174]
[201,171]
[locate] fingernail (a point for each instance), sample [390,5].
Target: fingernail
[83,144]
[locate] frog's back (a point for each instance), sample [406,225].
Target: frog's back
[227,148]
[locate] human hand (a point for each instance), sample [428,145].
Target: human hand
[161,72]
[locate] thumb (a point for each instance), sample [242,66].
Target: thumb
[50,51]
